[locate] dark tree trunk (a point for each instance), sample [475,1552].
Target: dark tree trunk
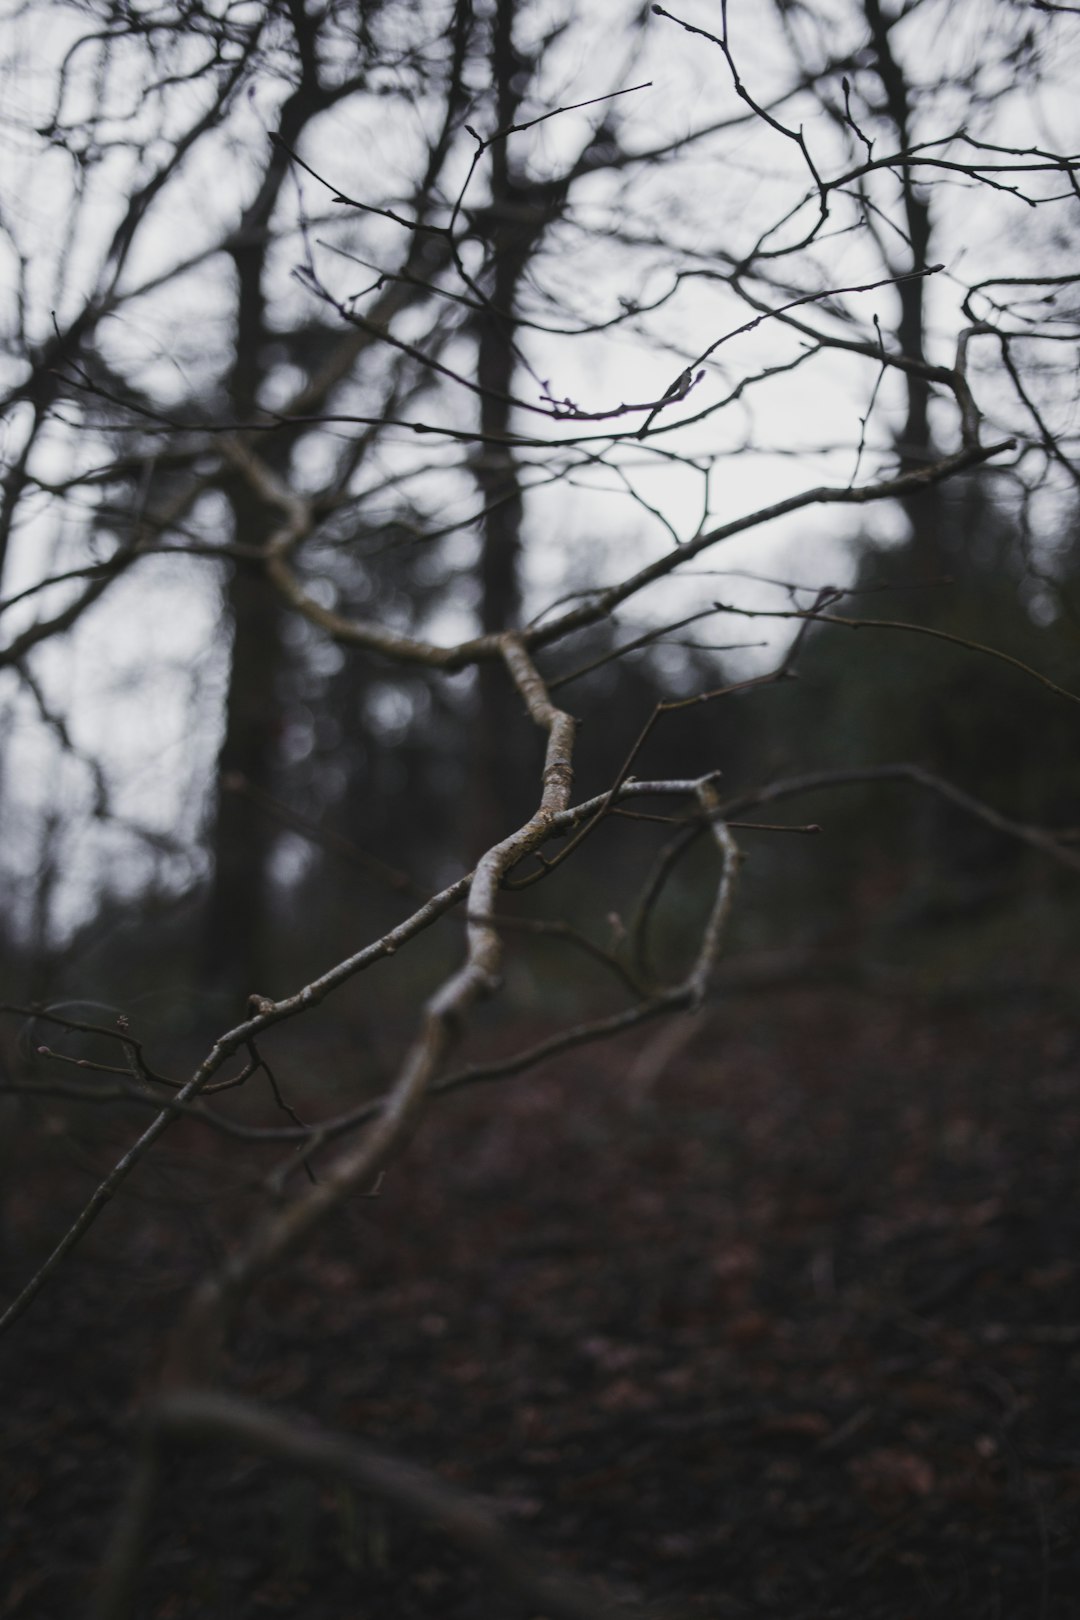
[234,957]
[500,792]
[915,441]
[500,752]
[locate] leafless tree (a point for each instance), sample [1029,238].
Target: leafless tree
[334,285]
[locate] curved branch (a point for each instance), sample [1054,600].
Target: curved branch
[198,1417]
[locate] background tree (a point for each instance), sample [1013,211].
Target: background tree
[968,565]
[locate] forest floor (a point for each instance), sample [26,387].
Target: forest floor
[791,1329]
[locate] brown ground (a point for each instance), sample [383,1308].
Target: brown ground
[796,1336]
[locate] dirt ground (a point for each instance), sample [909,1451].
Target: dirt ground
[793,1332]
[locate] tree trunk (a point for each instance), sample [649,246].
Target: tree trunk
[234,956]
[500,793]
[915,442]
[233,959]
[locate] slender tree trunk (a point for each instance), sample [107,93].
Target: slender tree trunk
[498,796]
[924,509]
[233,958]
[499,761]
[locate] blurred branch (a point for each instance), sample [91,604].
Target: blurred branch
[379,871]
[197,1417]
[1037,838]
[809,615]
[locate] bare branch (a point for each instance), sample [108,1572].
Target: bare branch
[195,1417]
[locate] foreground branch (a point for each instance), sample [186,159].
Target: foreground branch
[205,1418]
[201,1335]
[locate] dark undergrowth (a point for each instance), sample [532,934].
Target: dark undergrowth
[791,1328]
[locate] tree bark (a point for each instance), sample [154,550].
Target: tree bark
[233,958]
[915,441]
